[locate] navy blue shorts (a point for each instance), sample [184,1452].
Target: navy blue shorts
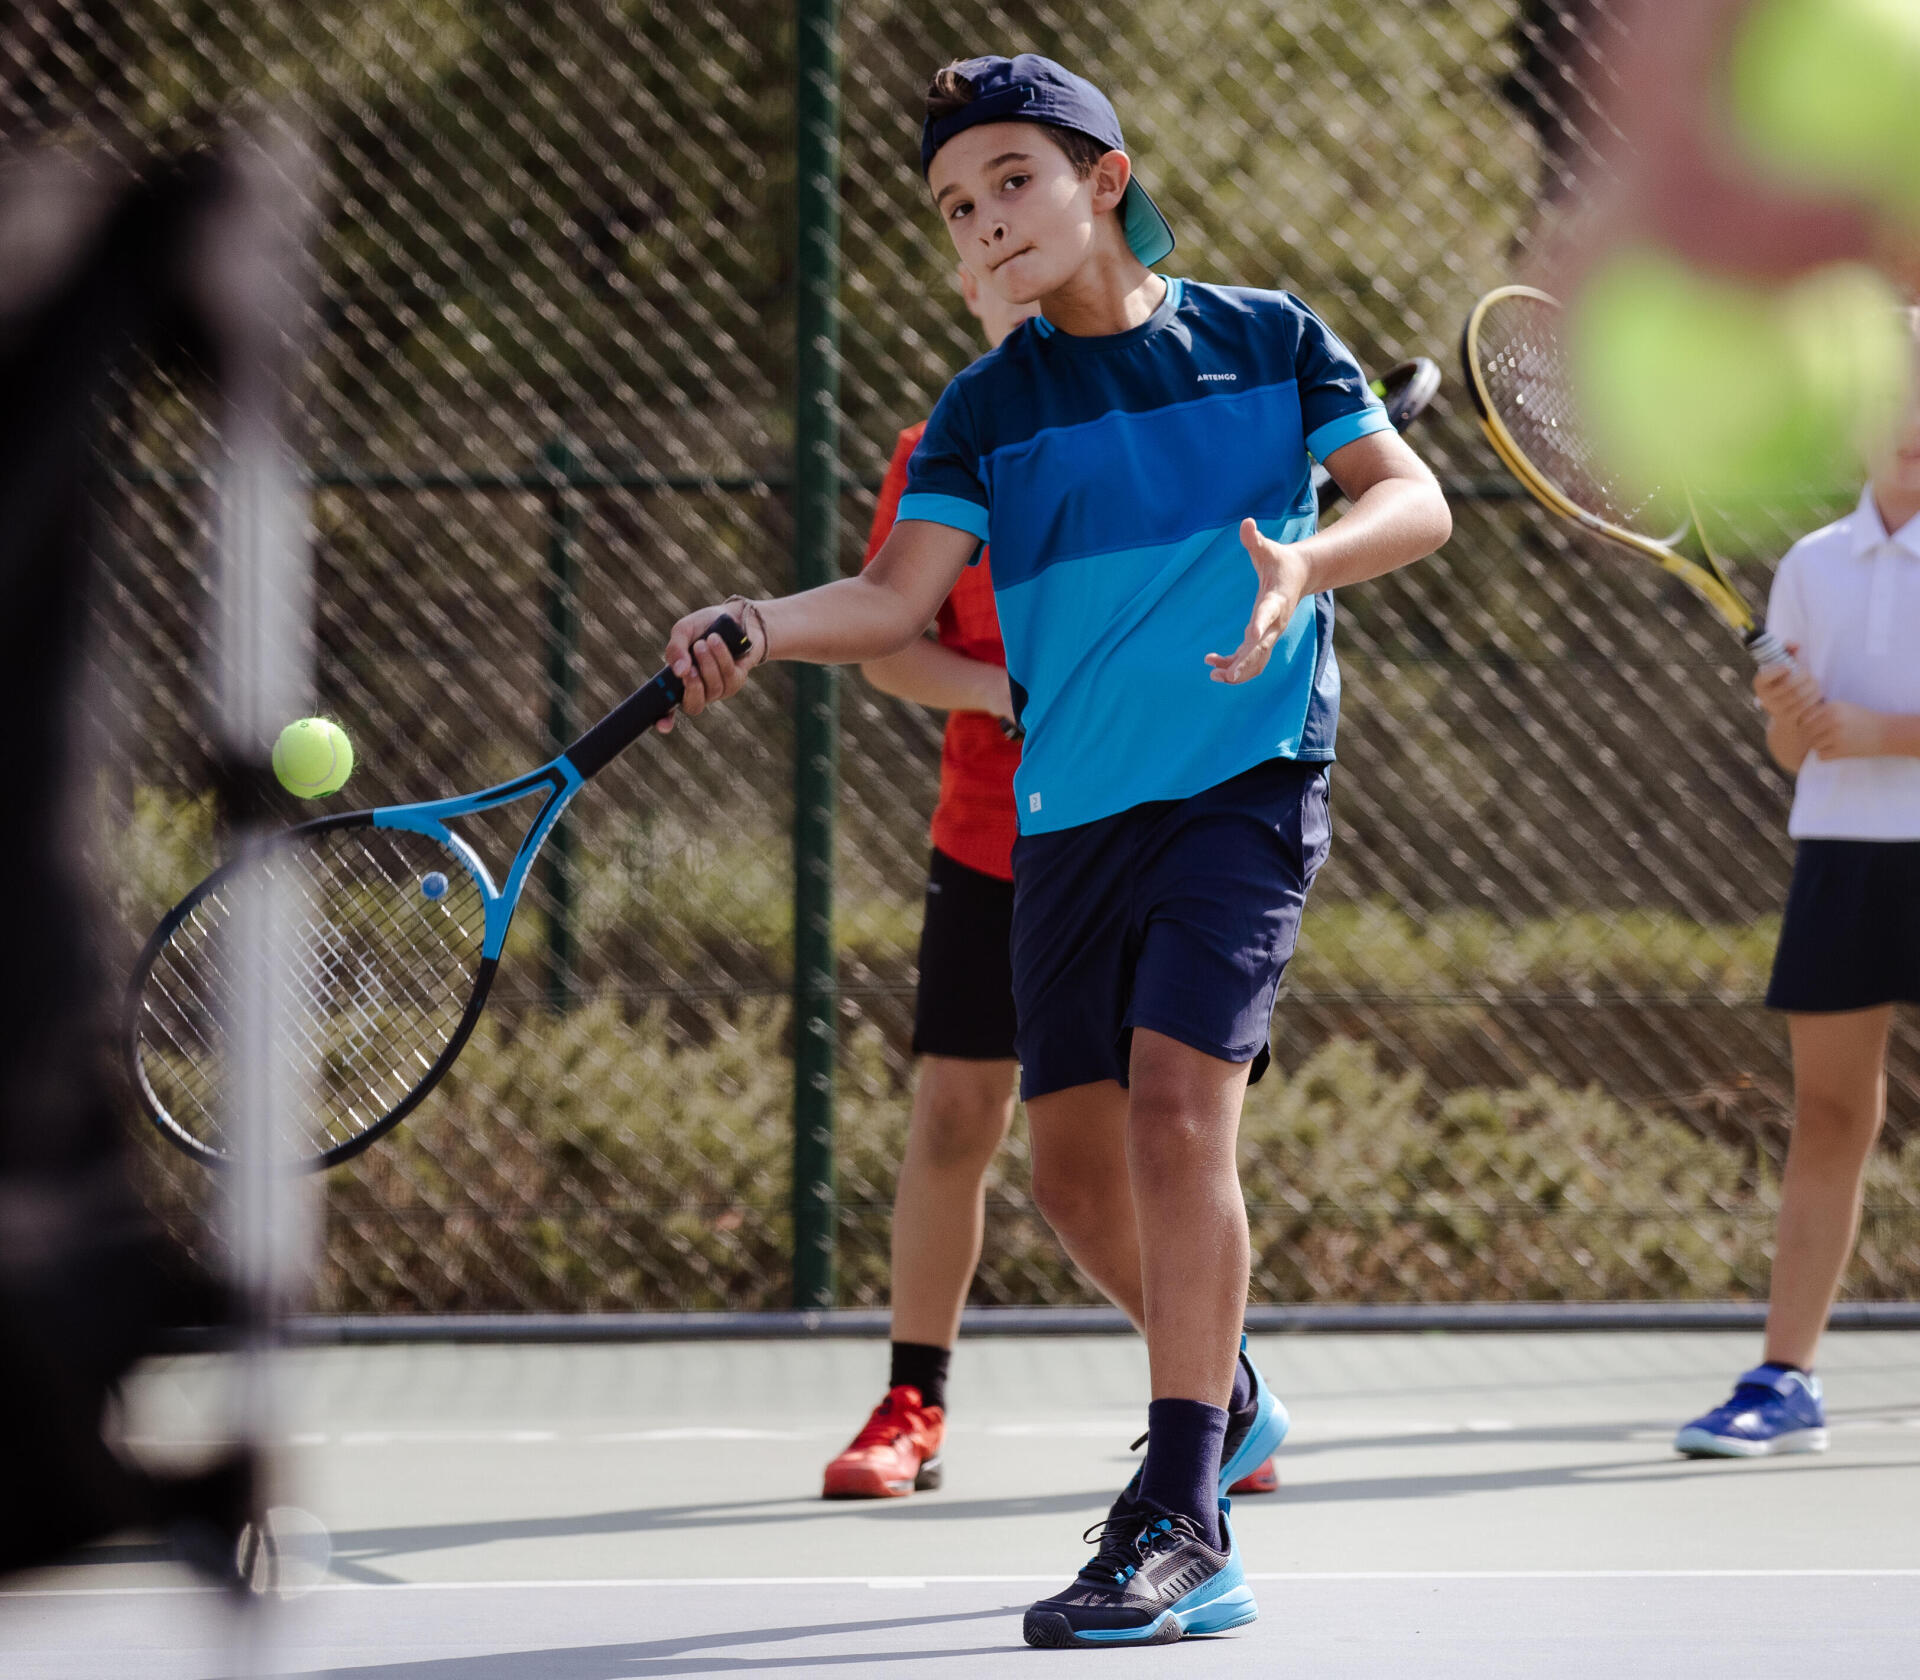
[1851,936]
[1178,916]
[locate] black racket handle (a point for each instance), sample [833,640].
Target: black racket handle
[1767,649]
[644,707]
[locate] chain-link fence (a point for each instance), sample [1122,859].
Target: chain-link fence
[551,406]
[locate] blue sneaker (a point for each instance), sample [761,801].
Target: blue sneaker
[1154,1579]
[1773,1410]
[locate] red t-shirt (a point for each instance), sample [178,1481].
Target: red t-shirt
[974,823]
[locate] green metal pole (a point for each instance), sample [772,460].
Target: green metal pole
[816,687]
[563,708]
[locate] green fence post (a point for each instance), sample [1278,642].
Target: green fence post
[563,707]
[816,691]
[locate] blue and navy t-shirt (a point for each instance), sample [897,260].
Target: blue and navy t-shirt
[1110,476]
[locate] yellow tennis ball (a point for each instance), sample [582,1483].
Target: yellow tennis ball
[313,757]
[1827,93]
[1732,390]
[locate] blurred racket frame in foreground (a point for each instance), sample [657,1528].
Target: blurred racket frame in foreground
[1516,369]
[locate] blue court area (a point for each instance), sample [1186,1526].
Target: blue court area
[1451,1506]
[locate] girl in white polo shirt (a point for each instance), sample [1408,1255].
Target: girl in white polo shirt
[1846,720]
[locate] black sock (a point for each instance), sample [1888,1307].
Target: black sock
[1242,1386]
[1182,1472]
[1782,1365]
[921,1365]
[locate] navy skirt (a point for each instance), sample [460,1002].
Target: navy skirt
[1851,935]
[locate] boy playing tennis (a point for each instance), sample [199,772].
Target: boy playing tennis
[963,1021]
[1129,453]
[1845,721]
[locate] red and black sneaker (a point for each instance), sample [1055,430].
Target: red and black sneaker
[1264,1479]
[896,1453]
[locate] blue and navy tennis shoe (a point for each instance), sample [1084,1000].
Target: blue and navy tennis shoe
[1253,1433]
[1154,1579]
[1774,1409]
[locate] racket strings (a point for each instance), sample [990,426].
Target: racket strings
[376,987]
[1525,378]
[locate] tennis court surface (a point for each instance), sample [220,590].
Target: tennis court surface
[1451,1505]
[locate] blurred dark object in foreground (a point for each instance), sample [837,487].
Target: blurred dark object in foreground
[1564,50]
[101,270]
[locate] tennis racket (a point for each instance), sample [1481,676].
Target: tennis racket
[399,934]
[1517,371]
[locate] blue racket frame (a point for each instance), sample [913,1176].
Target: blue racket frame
[563,775]
[562,780]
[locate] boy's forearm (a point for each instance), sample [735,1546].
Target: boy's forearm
[1391,524]
[877,613]
[932,675]
[841,623]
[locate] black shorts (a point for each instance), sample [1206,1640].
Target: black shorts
[1851,936]
[964,1007]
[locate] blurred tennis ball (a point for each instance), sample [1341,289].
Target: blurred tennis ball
[1733,390]
[1827,93]
[313,757]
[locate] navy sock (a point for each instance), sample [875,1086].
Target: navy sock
[1182,1472]
[923,1366]
[1242,1386]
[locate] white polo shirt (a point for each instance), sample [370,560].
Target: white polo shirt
[1849,595]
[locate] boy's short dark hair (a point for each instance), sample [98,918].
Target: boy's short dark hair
[949,91]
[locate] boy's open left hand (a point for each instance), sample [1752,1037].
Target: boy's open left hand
[705,664]
[1283,582]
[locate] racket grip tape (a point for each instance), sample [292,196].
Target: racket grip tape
[1767,649]
[645,707]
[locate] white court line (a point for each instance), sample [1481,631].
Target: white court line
[696,1433]
[495,1437]
[879,1581]
[1308,1429]
[1305,1430]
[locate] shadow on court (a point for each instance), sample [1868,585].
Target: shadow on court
[695,1653]
[355,1550]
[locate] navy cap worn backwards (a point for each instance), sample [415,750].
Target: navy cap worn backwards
[1029,88]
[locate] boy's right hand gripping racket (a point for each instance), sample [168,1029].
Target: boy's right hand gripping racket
[1516,369]
[400,932]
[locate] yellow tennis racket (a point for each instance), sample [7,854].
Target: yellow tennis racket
[1516,369]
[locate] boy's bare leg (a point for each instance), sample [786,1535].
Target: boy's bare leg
[1840,1100]
[961,1111]
[1182,1126]
[1081,1186]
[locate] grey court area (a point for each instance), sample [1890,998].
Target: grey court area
[1452,1505]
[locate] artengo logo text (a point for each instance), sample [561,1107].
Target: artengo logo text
[1223,377]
